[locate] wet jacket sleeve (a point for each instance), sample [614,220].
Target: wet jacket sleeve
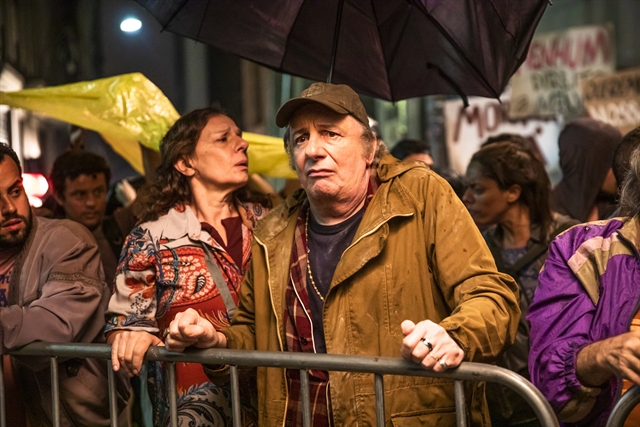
[242,333]
[560,316]
[134,302]
[71,292]
[483,302]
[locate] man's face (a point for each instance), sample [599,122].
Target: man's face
[85,199]
[328,154]
[15,213]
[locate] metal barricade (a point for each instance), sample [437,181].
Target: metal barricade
[379,366]
[623,408]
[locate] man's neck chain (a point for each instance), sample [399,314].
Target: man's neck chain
[306,235]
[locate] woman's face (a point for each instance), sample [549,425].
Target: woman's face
[486,202]
[219,161]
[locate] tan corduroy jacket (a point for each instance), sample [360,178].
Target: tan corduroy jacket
[416,255]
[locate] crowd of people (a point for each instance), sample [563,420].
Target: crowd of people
[378,253]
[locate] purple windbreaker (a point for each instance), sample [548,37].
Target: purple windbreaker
[589,290]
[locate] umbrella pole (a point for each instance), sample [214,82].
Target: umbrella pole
[336,36]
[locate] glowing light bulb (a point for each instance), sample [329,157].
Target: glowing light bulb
[130,25]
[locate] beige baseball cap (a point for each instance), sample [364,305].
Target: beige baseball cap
[339,98]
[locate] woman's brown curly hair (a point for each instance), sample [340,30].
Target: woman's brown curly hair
[172,187]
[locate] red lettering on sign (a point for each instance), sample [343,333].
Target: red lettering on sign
[578,51]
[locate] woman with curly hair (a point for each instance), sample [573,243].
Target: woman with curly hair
[191,250]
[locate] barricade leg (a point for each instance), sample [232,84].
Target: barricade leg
[113,399]
[379,386]
[235,397]
[173,398]
[306,398]
[55,392]
[3,415]
[461,414]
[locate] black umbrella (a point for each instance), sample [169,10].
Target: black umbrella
[389,49]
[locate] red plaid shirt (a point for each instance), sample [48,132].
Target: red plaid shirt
[299,331]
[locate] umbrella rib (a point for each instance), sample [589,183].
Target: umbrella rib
[204,15]
[336,37]
[506,30]
[286,45]
[479,75]
[375,16]
[454,85]
[174,14]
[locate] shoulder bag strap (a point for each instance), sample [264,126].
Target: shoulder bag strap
[538,249]
[497,254]
[220,282]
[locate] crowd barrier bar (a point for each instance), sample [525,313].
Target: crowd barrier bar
[623,408]
[378,366]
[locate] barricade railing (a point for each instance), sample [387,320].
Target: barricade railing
[623,408]
[379,366]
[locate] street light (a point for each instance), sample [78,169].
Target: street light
[130,25]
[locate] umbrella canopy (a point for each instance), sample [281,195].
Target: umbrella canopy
[391,49]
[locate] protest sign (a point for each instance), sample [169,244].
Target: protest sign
[614,99]
[467,129]
[549,81]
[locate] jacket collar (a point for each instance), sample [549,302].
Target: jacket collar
[496,233]
[390,167]
[181,221]
[629,231]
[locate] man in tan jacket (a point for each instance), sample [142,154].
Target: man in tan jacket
[374,257]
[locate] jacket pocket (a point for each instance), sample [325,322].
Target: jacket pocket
[444,418]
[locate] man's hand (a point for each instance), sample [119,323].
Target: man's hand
[616,356]
[128,349]
[189,328]
[442,354]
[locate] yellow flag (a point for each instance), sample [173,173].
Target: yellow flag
[124,109]
[267,156]
[129,109]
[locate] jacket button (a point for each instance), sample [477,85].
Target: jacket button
[303,341]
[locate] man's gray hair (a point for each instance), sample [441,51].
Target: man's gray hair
[366,138]
[630,192]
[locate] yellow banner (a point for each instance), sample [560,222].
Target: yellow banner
[129,109]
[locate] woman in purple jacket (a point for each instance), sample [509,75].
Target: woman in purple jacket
[585,345]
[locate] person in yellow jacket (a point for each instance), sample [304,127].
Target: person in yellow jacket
[375,257]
